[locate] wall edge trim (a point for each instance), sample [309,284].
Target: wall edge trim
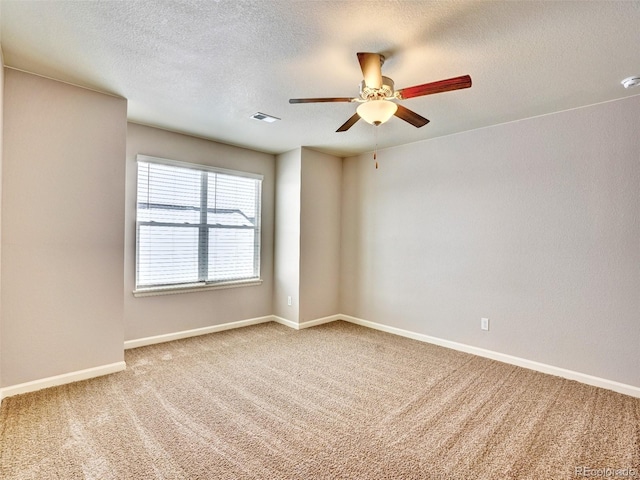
[169,337]
[62,379]
[594,381]
[308,323]
[286,322]
[89,373]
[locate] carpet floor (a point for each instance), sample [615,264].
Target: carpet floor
[337,401]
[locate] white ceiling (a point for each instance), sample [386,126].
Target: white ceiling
[203,67]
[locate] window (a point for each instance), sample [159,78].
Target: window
[196,226]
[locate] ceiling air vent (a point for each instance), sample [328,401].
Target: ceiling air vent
[264,117]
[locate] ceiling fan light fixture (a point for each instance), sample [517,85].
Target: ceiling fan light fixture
[376,112]
[378,93]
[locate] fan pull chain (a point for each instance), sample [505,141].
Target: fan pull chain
[375,149]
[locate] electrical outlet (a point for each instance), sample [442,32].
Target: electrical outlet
[484,324]
[289,300]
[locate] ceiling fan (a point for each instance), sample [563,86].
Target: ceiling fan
[377,92]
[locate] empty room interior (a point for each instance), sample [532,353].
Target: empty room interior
[278,239]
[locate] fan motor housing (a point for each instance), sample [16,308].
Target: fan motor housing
[387,91]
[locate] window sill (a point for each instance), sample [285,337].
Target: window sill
[194,287]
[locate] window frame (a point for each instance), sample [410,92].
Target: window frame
[203,229]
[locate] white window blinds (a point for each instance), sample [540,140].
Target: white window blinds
[195,224]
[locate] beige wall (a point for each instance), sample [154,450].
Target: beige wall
[320,206]
[159,315]
[1,148]
[287,246]
[533,224]
[62,228]
[308,185]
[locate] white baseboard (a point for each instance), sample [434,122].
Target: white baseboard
[308,323]
[285,322]
[61,379]
[143,342]
[168,337]
[502,357]
[320,321]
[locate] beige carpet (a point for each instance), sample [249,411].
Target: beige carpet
[334,401]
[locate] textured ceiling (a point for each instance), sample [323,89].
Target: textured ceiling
[203,67]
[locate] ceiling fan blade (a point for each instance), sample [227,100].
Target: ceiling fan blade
[349,123]
[371,66]
[435,87]
[321,100]
[411,117]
